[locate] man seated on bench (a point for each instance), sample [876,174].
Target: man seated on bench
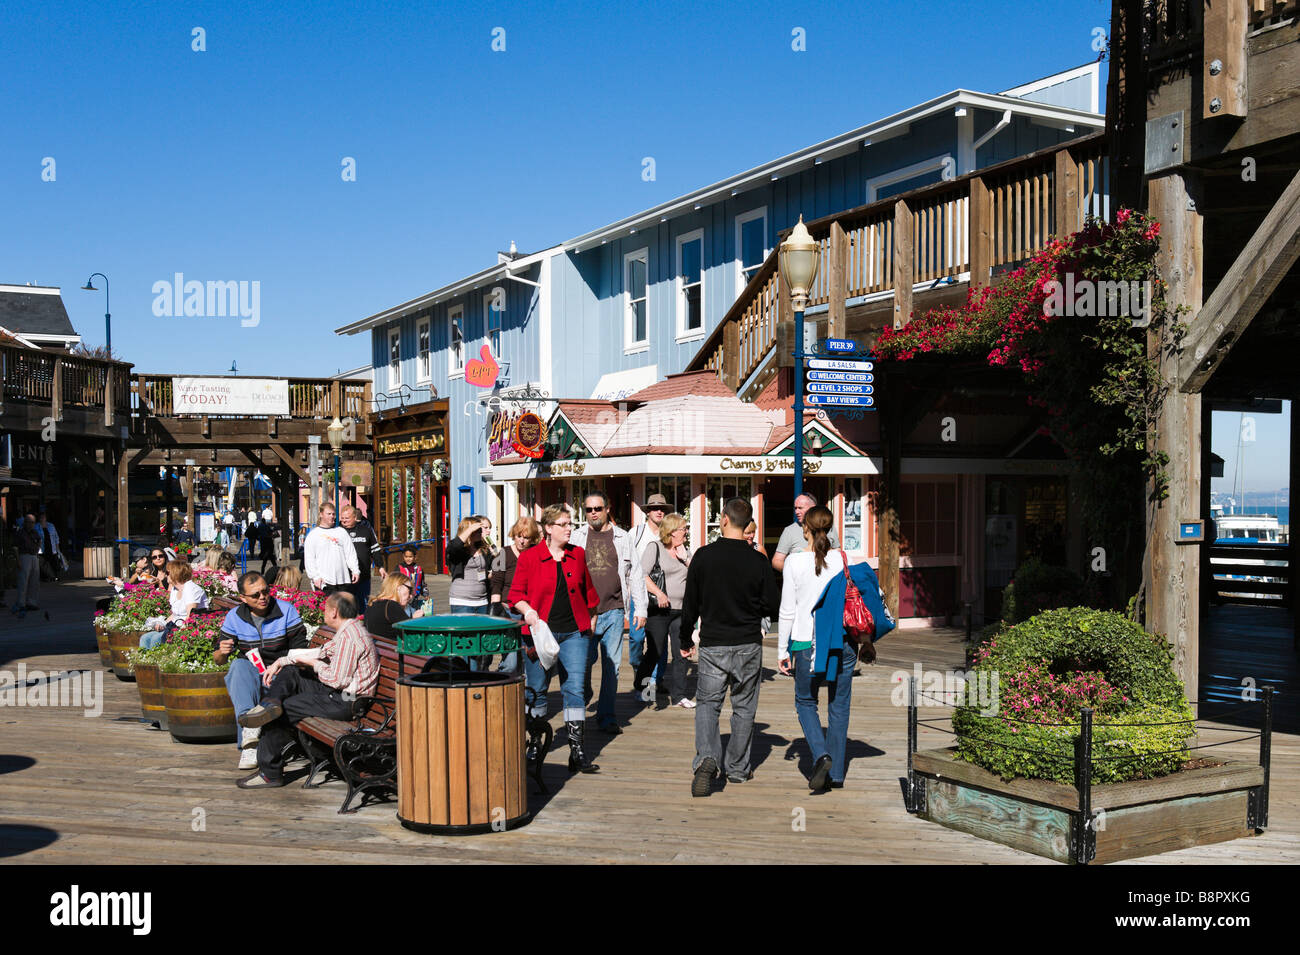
[264,629]
[325,681]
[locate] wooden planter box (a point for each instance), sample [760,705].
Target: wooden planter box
[105,653]
[1138,818]
[120,643]
[148,680]
[198,707]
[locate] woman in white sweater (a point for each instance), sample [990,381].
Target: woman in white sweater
[806,575]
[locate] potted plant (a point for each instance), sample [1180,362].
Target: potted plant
[101,640]
[193,685]
[148,680]
[125,623]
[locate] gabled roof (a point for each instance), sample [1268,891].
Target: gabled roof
[34,310]
[703,383]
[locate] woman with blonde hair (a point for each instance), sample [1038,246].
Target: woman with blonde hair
[389,607]
[291,578]
[184,594]
[667,560]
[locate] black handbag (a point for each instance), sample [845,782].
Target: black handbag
[660,580]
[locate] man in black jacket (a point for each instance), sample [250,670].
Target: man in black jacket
[730,588]
[369,553]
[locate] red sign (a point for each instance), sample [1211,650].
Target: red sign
[529,435]
[482,373]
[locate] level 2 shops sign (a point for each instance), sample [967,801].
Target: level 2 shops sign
[529,435]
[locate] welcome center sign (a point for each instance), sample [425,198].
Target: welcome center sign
[230,396]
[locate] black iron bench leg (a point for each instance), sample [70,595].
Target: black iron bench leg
[319,757]
[366,763]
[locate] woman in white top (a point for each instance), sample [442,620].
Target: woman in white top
[806,575]
[184,595]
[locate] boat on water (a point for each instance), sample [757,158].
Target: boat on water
[1253,531]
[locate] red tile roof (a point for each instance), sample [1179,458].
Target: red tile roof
[703,383]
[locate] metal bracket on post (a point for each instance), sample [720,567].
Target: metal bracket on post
[1260,802]
[915,786]
[1083,834]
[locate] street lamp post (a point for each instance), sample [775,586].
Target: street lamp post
[799,257]
[336,430]
[108,316]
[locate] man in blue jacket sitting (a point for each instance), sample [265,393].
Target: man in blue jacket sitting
[263,629]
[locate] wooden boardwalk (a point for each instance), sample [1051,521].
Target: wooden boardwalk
[111,790]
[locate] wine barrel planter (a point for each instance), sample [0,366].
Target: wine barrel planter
[198,707]
[460,750]
[120,643]
[105,652]
[149,682]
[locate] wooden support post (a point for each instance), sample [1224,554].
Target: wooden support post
[888,529]
[731,355]
[1173,571]
[56,391]
[785,330]
[335,409]
[189,501]
[123,510]
[981,233]
[167,491]
[367,407]
[110,396]
[288,484]
[902,264]
[838,281]
[1224,48]
[1066,210]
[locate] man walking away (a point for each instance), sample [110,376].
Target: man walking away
[730,588]
[50,547]
[329,558]
[369,555]
[620,585]
[29,566]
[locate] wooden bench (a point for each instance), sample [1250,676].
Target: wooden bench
[363,752]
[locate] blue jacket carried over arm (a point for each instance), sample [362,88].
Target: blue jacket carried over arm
[828,617]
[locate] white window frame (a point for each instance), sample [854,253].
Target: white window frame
[455,323]
[394,367]
[494,344]
[685,334]
[631,344]
[907,172]
[741,220]
[424,351]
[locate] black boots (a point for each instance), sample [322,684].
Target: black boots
[578,762]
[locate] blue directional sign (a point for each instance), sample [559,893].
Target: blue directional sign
[864,401]
[839,344]
[840,364]
[860,377]
[838,388]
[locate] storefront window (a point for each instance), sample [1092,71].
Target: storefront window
[718,491]
[395,485]
[426,500]
[675,487]
[853,528]
[928,518]
[410,503]
[385,527]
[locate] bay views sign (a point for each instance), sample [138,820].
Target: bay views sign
[230,396]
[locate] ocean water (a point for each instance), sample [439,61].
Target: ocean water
[1282,512]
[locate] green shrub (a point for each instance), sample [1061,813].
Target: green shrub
[1049,666]
[1037,587]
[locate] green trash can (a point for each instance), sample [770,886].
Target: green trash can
[460,734]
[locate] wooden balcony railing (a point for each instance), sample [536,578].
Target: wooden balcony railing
[37,377]
[970,228]
[308,397]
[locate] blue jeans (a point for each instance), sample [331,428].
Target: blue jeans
[244,684]
[806,687]
[607,642]
[572,664]
[635,638]
[510,661]
[480,664]
[150,640]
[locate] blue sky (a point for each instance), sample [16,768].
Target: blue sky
[224,165]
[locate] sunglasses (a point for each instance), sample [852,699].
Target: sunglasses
[593,510]
[157,556]
[656,508]
[258,594]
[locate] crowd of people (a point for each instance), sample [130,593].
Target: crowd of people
[576,591]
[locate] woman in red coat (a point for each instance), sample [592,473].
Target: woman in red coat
[552,584]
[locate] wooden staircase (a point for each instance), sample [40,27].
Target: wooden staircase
[967,230]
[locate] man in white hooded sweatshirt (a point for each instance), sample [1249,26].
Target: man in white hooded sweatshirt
[329,558]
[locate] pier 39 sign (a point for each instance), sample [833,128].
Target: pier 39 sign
[230,396]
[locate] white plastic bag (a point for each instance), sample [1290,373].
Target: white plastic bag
[544,642]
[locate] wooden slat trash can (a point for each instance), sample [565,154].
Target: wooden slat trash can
[97,563]
[460,751]
[460,735]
